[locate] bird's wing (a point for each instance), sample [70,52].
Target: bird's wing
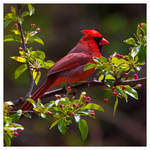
[69,61]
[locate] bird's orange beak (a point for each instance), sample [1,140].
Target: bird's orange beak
[104,41]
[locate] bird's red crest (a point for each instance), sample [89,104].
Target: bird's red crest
[91,33]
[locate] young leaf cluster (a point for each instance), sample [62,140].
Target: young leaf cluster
[64,110]
[34,58]
[11,128]
[116,68]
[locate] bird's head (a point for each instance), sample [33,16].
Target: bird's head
[96,37]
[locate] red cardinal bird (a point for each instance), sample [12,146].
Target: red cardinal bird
[70,68]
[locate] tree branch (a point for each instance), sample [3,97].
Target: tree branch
[32,82]
[90,84]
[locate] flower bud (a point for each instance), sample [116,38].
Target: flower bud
[115,93]
[38,29]
[33,25]
[93,113]
[74,105]
[19,129]
[105,100]
[125,74]
[61,105]
[139,85]
[123,87]
[113,88]
[16,133]
[136,76]
[72,114]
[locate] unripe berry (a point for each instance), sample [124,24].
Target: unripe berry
[105,100]
[123,87]
[61,105]
[38,29]
[115,93]
[139,85]
[15,133]
[136,76]
[74,105]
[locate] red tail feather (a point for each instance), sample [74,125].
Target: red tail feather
[50,83]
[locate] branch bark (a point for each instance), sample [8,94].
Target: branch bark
[32,82]
[90,84]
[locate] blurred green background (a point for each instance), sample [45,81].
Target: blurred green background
[60,29]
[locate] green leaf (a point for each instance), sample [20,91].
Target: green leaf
[83,127]
[7,140]
[77,117]
[38,54]
[15,117]
[134,51]
[20,70]
[62,126]
[109,77]
[20,20]
[38,78]
[132,92]
[19,59]
[96,59]
[31,9]
[27,115]
[43,115]
[10,38]
[115,106]
[25,13]
[130,41]
[93,106]
[34,74]
[103,59]
[125,95]
[7,22]
[36,39]
[32,101]
[48,64]
[109,83]
[89,66]
[143,27]
[142,53]
[54,124]
[101,77]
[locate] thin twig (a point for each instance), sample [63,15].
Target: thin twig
[32,82]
